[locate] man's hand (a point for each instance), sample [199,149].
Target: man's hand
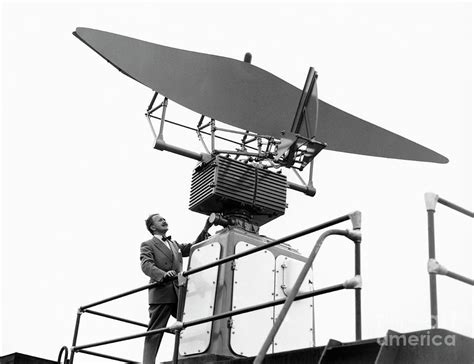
[170,274]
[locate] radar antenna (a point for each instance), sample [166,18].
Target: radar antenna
[251,125]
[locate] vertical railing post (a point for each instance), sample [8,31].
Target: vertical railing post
[430,200]
[358,295]
[76,333]
[356,219]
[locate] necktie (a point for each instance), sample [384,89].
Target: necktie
[166,241]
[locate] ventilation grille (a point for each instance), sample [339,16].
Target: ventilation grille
[224,185]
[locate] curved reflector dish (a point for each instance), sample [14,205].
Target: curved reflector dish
[245,96]
[344,132]
[234,92]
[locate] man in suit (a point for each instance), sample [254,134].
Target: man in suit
[161,259]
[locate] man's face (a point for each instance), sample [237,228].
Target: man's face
[160,225]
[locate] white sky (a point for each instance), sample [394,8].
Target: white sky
[80,175]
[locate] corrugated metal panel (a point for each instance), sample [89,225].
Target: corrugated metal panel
[202,184]
[225,184]
[271,190]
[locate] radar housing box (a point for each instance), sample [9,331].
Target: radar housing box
[228,186]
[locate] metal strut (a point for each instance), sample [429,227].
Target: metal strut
[199,135]
[262,149]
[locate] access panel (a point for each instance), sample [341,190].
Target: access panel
[200,296]
[297,330]
[253,284]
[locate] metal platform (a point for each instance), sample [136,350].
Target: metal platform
[436,346]
[18,358]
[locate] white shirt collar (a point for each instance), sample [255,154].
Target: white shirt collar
[166,242]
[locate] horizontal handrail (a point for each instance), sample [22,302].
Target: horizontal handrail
[269,245]
[436,268]
[120,295]
[460,278]
[226,259]
[93,353]
[453,206]
[115,317]
[182,325]
[280,301]
[432,198]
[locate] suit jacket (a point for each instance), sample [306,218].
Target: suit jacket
[156,259]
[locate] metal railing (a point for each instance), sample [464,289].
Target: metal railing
[434,267]
[179,325]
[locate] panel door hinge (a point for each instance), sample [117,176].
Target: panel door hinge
[230,323]
[233,265]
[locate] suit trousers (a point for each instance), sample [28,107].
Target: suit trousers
[159,316]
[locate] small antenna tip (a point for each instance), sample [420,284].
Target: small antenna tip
[248,57]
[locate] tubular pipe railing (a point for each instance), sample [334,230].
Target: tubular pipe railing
[178,326]
[294,291]
[115,318]
[460,278]
[128,293]
[182,325]
[453,206]
[434,267]
[269,245]
[111,357]
[64,350]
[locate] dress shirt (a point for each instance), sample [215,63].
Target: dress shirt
[164,240]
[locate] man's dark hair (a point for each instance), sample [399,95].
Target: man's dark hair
[149,223]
